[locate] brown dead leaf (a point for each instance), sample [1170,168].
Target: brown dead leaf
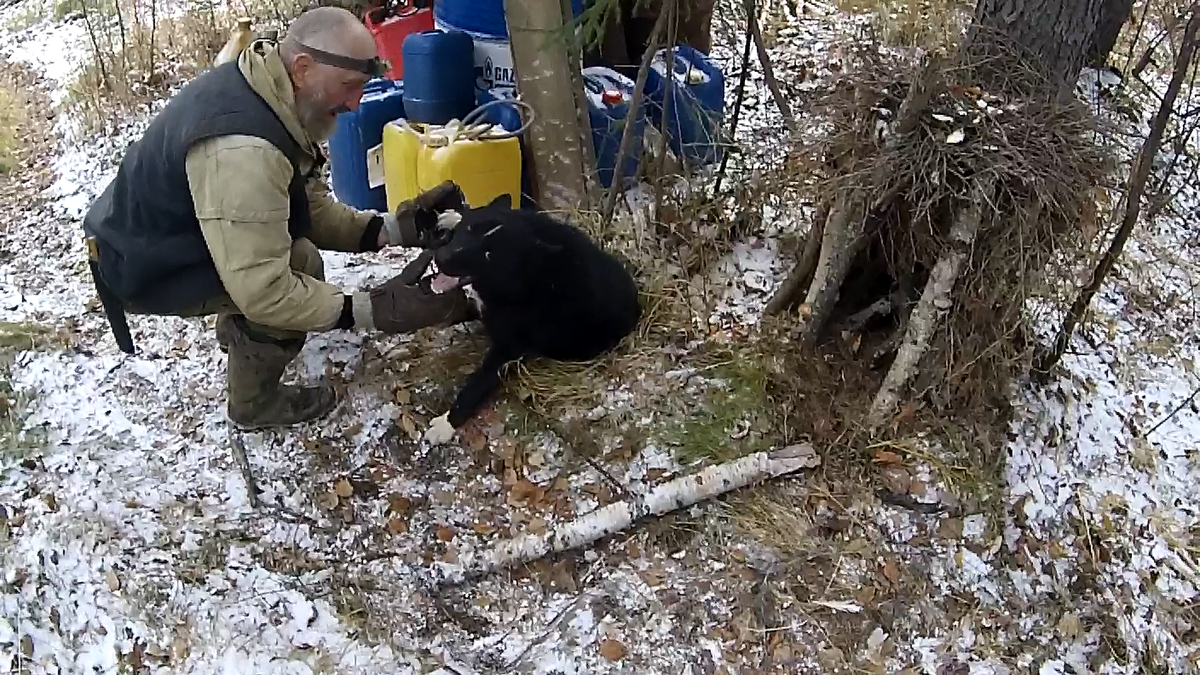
[352,430]
[27,646]
[444,533]
[327,500]
[180,648]
[483,528]
[896,479]
[51,501]
[950,528]
[525,491]
[397,526]
[403,396]
[612,650]
[891,571]
[887,457]
[343,488]
[110,577]
[474,438]
[399,504]
[408,425]
[537,526]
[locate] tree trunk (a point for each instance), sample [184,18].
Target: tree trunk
[1113,16]
[1133,202]
[544,78]
[1055,35]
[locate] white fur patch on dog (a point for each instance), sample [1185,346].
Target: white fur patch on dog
[439,431]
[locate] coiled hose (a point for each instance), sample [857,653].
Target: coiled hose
[471,128]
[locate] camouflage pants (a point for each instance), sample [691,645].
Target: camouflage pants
[304,258]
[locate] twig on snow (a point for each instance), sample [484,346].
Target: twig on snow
[737,100]
[238,450]
[764,58]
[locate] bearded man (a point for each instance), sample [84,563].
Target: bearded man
[219,209]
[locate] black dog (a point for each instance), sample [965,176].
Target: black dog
[545,289]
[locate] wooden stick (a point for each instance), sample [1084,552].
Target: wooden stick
[673,495]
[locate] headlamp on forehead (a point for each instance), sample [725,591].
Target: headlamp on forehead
[372,67]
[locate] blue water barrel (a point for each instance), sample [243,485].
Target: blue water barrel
[697,103]
[482,17]
[357,132]
[438,76]
[609,94]
[484,21]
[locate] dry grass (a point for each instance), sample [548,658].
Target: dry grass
[929,24]
[139,52]
[14,121]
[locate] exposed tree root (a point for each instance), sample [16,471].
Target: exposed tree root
[935,302]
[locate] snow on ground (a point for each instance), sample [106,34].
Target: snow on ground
[132,540]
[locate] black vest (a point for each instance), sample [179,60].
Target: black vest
[152,252]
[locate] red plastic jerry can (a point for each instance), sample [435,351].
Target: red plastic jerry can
[393,22]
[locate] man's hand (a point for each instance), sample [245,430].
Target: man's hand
[396,307]
[414,224]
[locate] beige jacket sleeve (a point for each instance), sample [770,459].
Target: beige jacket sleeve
[335,226]
[239,185]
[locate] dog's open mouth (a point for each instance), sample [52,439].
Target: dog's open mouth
[444,283]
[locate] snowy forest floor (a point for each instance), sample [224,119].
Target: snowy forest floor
[1065,543]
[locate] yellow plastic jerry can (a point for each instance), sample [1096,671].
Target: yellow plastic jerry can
[417,157]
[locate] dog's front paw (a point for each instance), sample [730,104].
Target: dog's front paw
[440,431]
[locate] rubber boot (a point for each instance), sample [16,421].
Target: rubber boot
[224,330]
[256,399]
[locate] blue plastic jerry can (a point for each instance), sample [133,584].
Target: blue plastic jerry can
[609,94]
[697,94]
[356,133]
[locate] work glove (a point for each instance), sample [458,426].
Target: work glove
[414,224]
[397,307]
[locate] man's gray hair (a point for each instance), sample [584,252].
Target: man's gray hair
[322,28]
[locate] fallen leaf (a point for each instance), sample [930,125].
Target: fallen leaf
[27,646]
[327,500]
[896,479]
[409,426]
[525,491]
[397,526]
[179,648]
[51,501]
[403,396]
[483,528]
[612,650]
[957,136]
[343,488]
[537,526]
[475,440]
[352,430]
[886,457]
[444,533]
[399,504]
[1069,626]
[891,571]
[951,528]
[114,584]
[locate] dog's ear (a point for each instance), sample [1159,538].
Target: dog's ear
[501,201]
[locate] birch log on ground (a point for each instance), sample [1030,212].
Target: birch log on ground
[547,81]
[673,495]
[933,305]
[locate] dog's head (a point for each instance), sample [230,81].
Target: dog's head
[491,242]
